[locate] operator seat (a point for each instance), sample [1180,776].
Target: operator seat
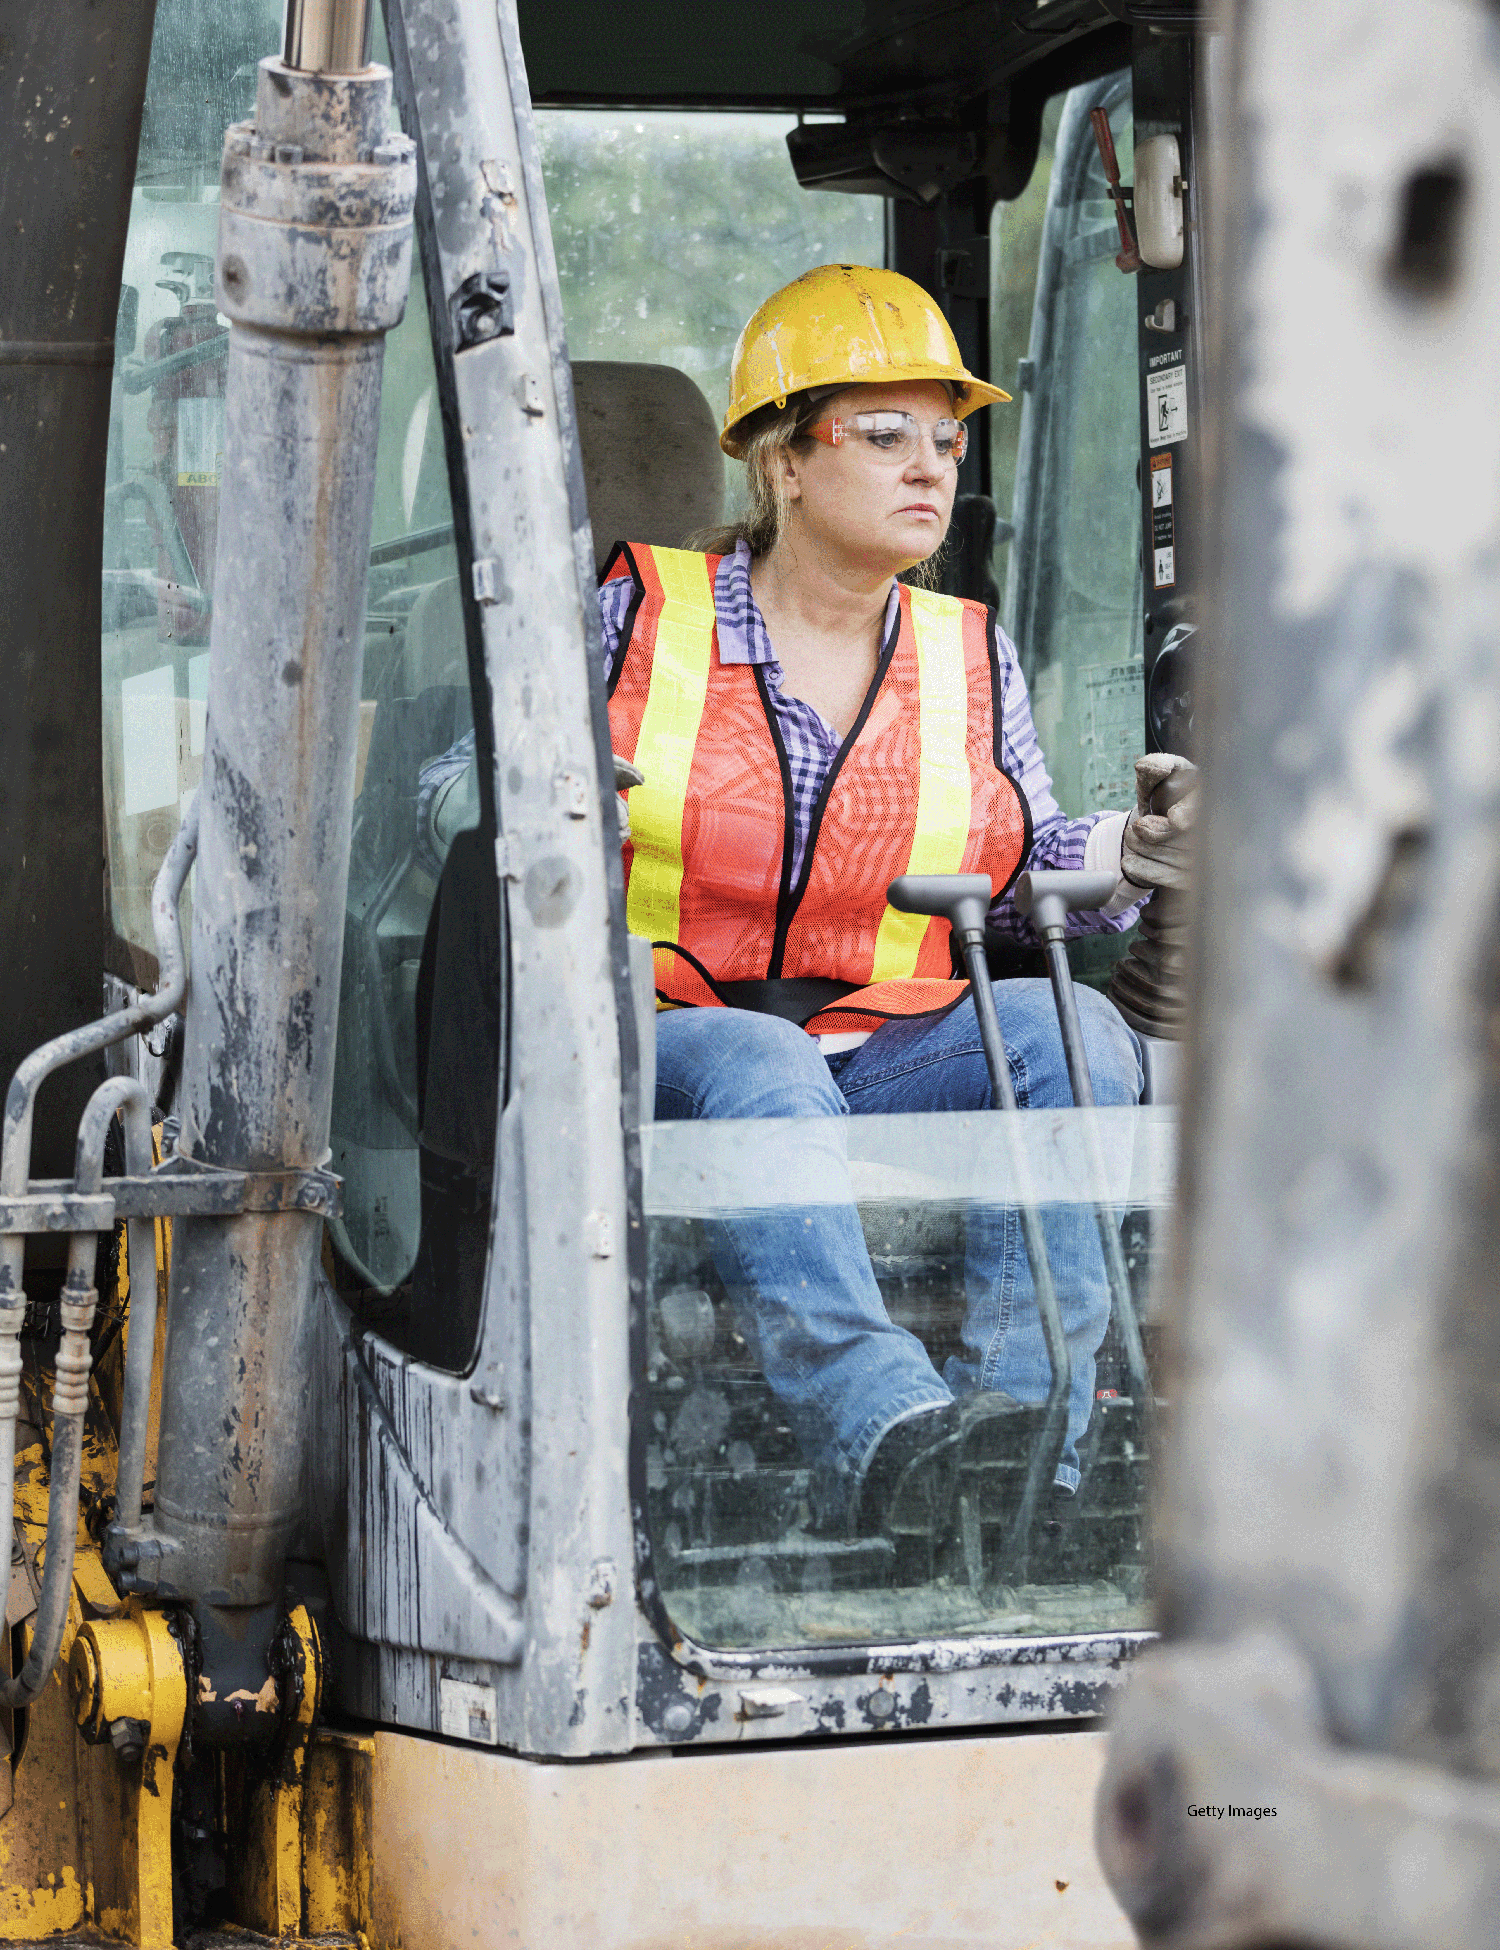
[652,468]
[653,472]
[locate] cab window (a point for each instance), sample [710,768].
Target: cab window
[752,1540]
[669,229]
[1073,593]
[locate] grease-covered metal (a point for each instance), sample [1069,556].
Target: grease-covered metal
[313,265]
[921,1685]
[70,1393]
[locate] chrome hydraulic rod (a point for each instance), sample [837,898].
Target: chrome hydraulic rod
[327,36]
[1048,899]
[963,900]
[70,1391]
[313,266]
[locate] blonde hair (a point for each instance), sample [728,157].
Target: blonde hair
[768,505]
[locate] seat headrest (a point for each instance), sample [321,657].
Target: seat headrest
[651,461]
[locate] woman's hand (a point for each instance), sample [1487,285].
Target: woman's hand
[1156,849]
[626,776]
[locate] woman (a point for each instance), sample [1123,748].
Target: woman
[808,728]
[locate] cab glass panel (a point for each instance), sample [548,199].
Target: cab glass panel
[771,1243]
[1073,600]
[759,1538]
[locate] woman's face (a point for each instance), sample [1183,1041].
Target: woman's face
[871,510]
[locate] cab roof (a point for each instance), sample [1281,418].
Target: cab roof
[851,57]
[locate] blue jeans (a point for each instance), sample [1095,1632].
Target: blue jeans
[800,1277]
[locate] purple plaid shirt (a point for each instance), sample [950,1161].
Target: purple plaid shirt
[812,744]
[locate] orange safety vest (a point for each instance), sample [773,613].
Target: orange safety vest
[917,787]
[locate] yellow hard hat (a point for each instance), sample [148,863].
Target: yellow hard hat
[844,325]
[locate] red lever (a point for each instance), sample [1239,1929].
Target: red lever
[1129,257]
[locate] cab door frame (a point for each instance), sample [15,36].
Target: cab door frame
[490,1568]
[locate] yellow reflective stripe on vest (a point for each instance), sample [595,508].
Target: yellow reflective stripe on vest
[943,788]
[668,735]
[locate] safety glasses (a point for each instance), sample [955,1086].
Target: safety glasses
[892,436]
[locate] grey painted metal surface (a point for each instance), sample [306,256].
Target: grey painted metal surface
[71,86]
[1331,1501]
[403,1577]
[313,267]
[1252,1826]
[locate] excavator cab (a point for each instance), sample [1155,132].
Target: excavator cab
[550,1510]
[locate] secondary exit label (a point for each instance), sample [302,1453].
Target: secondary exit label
[1166,404]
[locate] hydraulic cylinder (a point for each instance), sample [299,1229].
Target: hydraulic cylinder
[313,266]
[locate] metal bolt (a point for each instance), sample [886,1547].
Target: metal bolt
[84,1680]
[881,1705]
[488,1389]
[128,1738]
[482,309]
[678,1718]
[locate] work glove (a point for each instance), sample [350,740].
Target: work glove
[1156,847]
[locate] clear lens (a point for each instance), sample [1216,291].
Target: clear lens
[897,436]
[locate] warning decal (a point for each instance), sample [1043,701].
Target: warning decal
[1163,536]
[1166,406]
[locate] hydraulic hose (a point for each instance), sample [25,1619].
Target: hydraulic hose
[70,1390]
[90,1037]
[79,1297]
